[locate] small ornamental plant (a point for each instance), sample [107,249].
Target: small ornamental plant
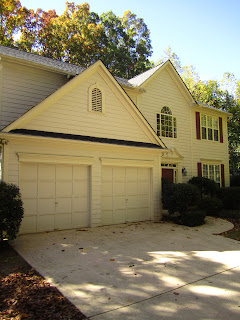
[11,211]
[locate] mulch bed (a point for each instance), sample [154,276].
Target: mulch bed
[235,232]
[25,294]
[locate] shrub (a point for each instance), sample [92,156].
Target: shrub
[230,214]
[211,205]
[193,218]
[205,185]
[11,211]
[235,180]
[180,197]
[230,197]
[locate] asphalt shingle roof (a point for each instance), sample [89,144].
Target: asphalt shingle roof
[68,68]
[138,80]
[35,58]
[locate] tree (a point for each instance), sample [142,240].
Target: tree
[140,47]
[12,19]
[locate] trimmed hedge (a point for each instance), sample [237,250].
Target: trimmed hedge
[11,211]
[230,197]
[180,197]
[235,180]
[206,186]
[193,218]
[211,205]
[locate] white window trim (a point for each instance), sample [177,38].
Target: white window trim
[209,163]
[209,115]
[160,129]
[96,85]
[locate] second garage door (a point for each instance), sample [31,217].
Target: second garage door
[55,196]
[126,194]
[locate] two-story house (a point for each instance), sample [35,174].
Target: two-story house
[89,149]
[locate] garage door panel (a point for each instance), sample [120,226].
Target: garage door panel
[119,216]
[63,205]
[143,201]
[132,214]
[64,172]
[63,221]
[58,196]
[28,224]
[30,207]
[80,205]
[143,187]
[28,189]
[132,187]
[80,173]
[119,188]
[45,223]
[107,174]
[131,174]
[143,174]
[46,171]
[46,206]
[126,196]
[132,201]
[46,189]
[63,189]
[119,174]
[80,219]
[28,171]
[107,188]
[119,202]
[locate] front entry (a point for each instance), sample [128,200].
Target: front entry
[168,174]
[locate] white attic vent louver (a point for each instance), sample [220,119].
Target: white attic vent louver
[96,100]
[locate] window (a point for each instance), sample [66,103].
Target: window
[166,123]
[96,100]
[212,171]
[209,127]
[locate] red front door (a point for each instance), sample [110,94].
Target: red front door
[168,174]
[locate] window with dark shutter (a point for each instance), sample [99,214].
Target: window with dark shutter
[222,175]
[220,130]
[198,126]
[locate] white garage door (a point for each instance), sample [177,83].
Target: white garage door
[55,196]
[126,194]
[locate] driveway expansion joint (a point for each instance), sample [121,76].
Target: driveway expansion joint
[163,293]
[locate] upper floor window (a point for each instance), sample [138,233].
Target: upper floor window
[209,127]
[166,123]
[96,98]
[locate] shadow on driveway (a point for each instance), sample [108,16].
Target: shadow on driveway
[142,270]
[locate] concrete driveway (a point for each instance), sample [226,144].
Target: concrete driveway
[142,270]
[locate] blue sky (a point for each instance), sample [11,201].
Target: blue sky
[203,33]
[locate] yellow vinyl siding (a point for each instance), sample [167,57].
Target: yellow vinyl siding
[209,150]
[163,91]
[24,87]
[70,114]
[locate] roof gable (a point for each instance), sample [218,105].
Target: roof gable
[147,77]
[66,111]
